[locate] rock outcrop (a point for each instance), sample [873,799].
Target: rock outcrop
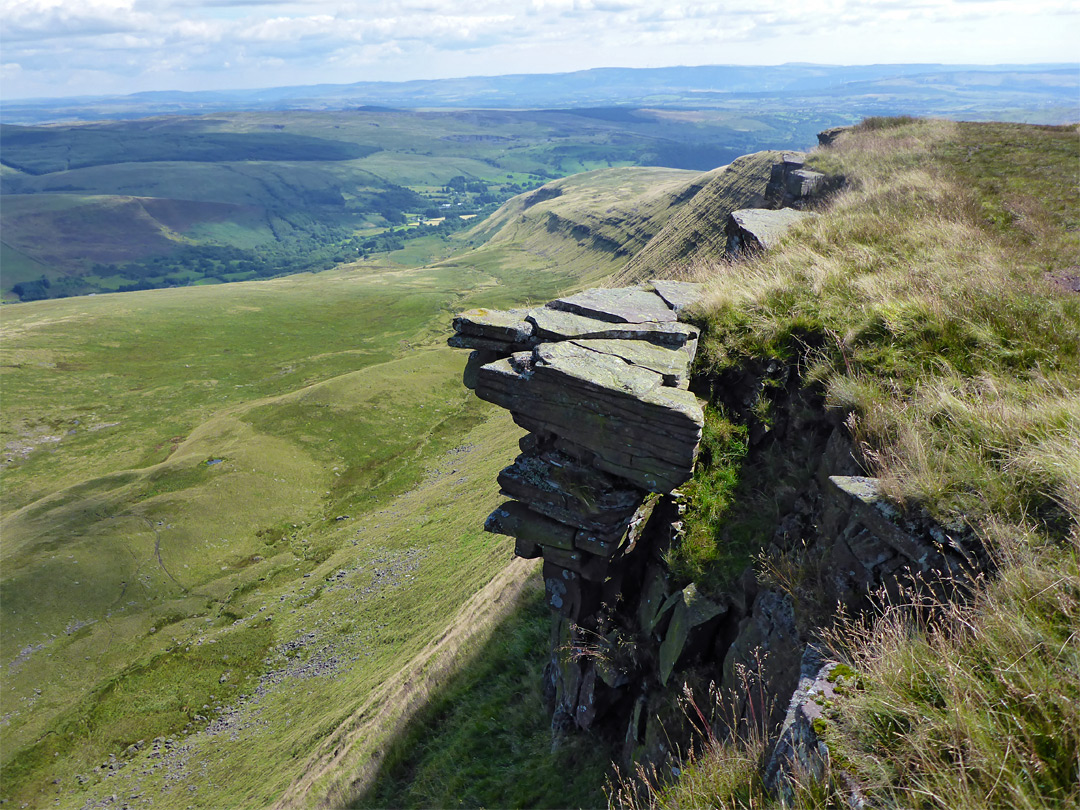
[828,136]
[601,382]
[752,230]
[599,379]
[791,184]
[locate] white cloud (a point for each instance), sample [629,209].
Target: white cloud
[163,44]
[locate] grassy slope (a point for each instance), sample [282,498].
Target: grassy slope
[927,291]
[180,459]
[589,224]
[696,231]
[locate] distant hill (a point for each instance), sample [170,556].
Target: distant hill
[178,200]
[1042,93]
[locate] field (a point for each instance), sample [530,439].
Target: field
[230,514]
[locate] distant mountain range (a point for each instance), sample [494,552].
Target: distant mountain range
[1042,93]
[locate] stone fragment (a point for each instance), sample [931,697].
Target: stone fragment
[499,347]
[755,229]
[603,544]
[653,596]
[691,612]
[678,295]
[518,521]
[803,183]
[526,549]
[508,325]
[671,364]
[567,594]
[800,753]
[556,325]
[620,305]
[561,487]
[477,360]
[589,566]
[878,515]
[827,137]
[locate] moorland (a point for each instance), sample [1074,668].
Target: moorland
[243,558]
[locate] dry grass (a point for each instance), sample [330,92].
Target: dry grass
[938,331]
[919,303]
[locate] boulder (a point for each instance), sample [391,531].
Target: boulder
[803,183]
[827,137]
[679,295]
[754,229]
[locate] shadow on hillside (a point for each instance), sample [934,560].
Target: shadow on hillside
[484,738]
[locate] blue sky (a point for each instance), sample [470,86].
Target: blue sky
[78,47]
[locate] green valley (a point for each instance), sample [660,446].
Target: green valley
[164,202]
[233,514]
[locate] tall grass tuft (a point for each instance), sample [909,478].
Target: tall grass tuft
[923,302]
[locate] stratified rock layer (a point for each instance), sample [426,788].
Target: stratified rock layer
[599,379]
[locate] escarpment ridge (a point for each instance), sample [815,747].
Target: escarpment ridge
[602,380]
[613,432]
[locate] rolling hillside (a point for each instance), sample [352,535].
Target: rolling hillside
[161,202]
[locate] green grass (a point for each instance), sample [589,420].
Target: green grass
[484,740]
[705,554]
[979,710]
[895,301]
[341,441]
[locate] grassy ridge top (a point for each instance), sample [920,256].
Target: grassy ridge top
[934,304]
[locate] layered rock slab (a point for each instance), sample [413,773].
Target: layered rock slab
[599,379]
[633,424]
[752,230]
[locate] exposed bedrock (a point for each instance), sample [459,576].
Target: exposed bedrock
[601,382]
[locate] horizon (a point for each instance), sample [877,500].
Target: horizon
[250,89]
[66,49]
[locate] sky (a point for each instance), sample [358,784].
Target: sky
[99,47]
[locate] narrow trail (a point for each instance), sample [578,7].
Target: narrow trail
[338,769]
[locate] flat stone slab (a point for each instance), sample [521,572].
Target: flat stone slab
[804,182]
[673,365]
[556,325]
[621,305]
[760,228]
[509,325]
[563,488]
[620,414]
[487,344]
[678,294]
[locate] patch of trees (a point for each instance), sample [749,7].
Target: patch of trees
[32,290]
[462,184]
[391,204]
